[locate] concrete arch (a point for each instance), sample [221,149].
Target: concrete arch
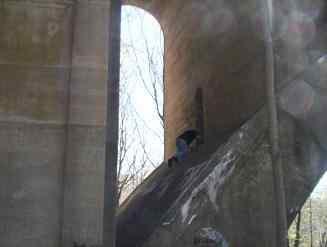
[148,6]
[216,46]
[152,6]
[208,45]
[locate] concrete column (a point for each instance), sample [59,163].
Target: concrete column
[35,42]
[84,173]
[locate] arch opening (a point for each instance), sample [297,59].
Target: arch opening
[141,126]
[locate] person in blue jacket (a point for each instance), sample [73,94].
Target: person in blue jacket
[183,146]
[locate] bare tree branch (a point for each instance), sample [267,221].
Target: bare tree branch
[141,66]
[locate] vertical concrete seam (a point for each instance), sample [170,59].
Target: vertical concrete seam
[67,122]
[112,126]
[164,95]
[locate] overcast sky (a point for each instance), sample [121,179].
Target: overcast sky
[142,33]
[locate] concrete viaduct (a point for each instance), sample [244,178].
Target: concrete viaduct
[53,74]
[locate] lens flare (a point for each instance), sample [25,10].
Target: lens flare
[298,99]
[298,29]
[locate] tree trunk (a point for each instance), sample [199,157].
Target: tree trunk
[298,234]
[311,231]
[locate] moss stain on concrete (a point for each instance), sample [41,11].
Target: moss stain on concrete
[31,37]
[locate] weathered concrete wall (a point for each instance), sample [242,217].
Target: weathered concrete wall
[212,45]
[234,202]
[84,174]
[231,194]
[52,113]
[52,98]
[235,198]
[35,48]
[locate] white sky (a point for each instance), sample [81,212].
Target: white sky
[140,31]
[321,186]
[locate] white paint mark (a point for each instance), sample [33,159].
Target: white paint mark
[211,184]
[168,222]
[192,218]
[184,210]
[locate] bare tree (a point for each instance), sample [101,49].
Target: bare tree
[311,224]
[298,226]
[148,64]
[132,158]
[141,68]
[323,240]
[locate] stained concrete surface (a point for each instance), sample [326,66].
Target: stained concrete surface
[232,191]
[53,56]
[52,111]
